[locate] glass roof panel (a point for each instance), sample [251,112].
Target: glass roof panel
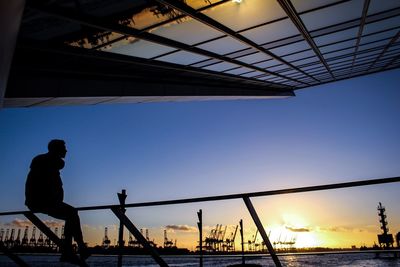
[320,72]
[239,71]
[364,61]
[395,46]
[196,4]
[267,63]
[239,16]
[139,48]
[374,45]
[315,66]
[221,66]
[256,57]
[148,18]
[338,46]
[297,56]
[302,5]
[376,6]
[379,36]
[182,57]
[339,61]
[371,54]
[305,61]
[204,63]
[260,77]
[393,53]
[346,63]
[278,80]
[290,73]
[223,46]
[252,74]
[242,53]
[291,48]
[189,32]
[390,56]
[381,25]
[110,38]
[332,15]
[339,53]
[277,68]
[271,32]
[323,76]
[337,36]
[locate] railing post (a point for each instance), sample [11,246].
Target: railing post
[139,237]
[242,240]
[200,225]
[121,197]
[261,229]
[43,227]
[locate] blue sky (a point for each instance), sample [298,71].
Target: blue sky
[348,130]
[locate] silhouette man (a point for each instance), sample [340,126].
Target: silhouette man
[44,193]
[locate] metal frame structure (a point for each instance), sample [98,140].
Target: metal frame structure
[119,212]
[365,41]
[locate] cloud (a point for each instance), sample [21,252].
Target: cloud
[184,228]
[19,223]
[298,230]
[53,224]
[344,229]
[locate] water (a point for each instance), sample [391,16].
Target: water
[325,260]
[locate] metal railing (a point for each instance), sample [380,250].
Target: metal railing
[119,212]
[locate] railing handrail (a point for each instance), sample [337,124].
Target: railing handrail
[239,195]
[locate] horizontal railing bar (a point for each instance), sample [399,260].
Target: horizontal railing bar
[240,195]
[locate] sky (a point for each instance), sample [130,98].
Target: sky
[338,132]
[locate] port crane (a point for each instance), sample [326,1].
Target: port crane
[251,244]
[25,240]
[32,240]
[385,239]
[167,243]
[106,241]
[230,242]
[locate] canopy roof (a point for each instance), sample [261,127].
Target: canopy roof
[106,51]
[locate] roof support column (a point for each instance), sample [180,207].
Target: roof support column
[10,21]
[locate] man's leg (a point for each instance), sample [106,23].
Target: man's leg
[72,227]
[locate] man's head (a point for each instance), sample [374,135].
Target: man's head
[57,147]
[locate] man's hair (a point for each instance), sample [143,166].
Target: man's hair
[55,144]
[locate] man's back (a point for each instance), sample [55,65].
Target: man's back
[43,185]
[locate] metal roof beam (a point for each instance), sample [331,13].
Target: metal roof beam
[392,41]
[136,61]
[189,11]
[295,18]
[95,22]
[361,28]
[390,63]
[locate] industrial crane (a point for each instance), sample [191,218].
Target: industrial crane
[106,240]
